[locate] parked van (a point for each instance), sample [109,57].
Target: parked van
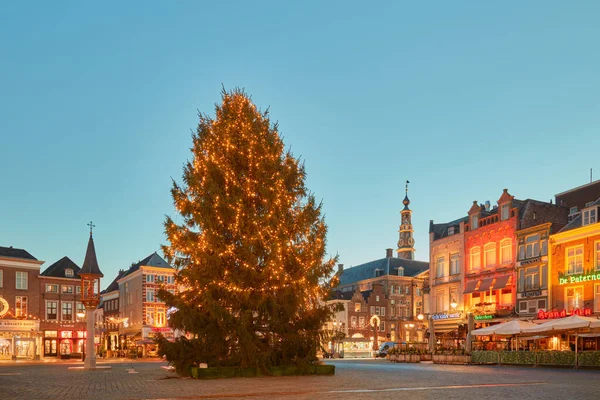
[384,348]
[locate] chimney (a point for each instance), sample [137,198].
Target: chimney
[340,268]
[389,253]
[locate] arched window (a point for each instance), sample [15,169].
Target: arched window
[475,258]
[506,251]
[490,255]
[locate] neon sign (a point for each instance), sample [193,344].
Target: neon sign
[563,313]
[579,278]
[489,316]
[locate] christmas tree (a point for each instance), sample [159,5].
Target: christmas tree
[250,248]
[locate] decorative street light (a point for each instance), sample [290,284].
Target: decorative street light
[90,297]
[420,317]
[453,304]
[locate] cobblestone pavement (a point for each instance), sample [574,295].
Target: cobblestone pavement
[354,379]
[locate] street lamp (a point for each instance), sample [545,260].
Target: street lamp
[90,297]
[420,317]
[453,304]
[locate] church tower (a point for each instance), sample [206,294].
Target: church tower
[406,241]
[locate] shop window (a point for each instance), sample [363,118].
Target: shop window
[454,267]
[574,260]
[51,288]
[506,298]
[475,259]
[574,297]
[356,307]
[490,255]
[51,310]
[67,311]
[21,280]
[20,306]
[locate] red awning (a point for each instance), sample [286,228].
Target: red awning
[501,282]
[485,284]
[470,287]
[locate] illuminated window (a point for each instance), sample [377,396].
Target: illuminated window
[439,267]
[454,267]
[506,251]
[21,280]
[475,259]
[80,308]
[20,306]
[574,297]
[51,310]
[150,316]
[69,273]
[356,307]
[51,288]
[67,311]
[361,322]
[574,260]
[160,317]
[490,255]
[67,289]
[353,322]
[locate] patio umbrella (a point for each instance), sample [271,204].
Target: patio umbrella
[513,327]
[487,331]
[432,341]
[563,324]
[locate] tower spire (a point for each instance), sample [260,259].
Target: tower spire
[406,240]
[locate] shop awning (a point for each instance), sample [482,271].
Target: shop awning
[501,282]
[485,284]
[470,287]
[442,327]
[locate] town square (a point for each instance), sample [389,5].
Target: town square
[299,200]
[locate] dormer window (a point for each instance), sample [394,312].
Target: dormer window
[504,211]
[400,271]
[451,231]
[590,216]
[378,272]
[69,273]
[573,210]
[474,221]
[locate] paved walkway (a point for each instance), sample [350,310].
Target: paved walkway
[354,379]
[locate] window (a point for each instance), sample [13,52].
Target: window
[574,296]
[376,298]
[505,251]
[531,306]
[50,288]
[596,259]
[67,311]
[441,301]
[393,310]
[377,311]
[382,326]
[475,258]
[532,246]
[21,280]
[407,289]
[150,316]
[532,278]
[361,322]
[372,310]
[67,289]
[451,231]
[504,208]
[589,216]
[1,278]
[78,289]
[80,308]
[454,269]
[474,221]
[353,322]
[149,278]
[574,260]
[439,267]
[171,279]
[383,311]
[490,255]
[51,310]
[69,273]
[597,297]
[356,307]
[150,295]
[21,305]
[160,317]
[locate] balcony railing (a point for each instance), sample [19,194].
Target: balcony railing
[446,279]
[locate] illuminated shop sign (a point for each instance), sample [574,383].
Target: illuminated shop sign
[445,316]
[563,313]
[579,278]
[478,317]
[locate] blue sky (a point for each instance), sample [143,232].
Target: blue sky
[462,98]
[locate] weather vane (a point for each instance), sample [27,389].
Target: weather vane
[92,226]
[407,182]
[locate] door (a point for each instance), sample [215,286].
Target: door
[50,346]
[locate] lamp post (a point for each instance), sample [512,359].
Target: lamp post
[90,297]
[80,317]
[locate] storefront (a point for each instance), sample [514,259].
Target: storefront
[19,339]
[64,344]
[149,347]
